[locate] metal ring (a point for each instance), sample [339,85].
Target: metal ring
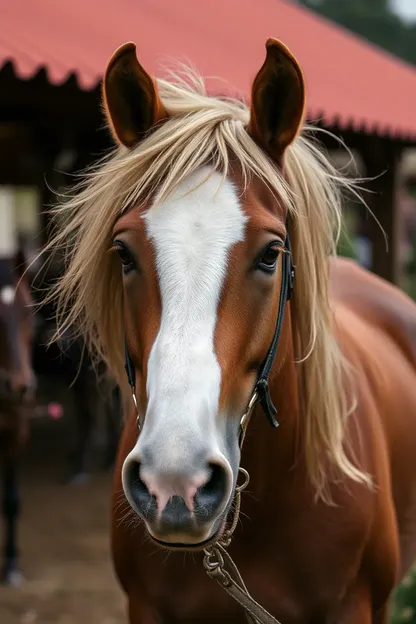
[240,488]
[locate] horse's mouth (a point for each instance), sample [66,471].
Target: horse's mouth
[199,546]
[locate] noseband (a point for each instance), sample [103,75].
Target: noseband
[216,557]
[261,393]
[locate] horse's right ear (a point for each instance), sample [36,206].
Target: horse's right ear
[131,100]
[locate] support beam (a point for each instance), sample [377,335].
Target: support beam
[8,231]
[381,158]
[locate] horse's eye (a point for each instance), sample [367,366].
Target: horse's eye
[268,260]
[125,256]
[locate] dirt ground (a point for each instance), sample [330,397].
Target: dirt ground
[64,541]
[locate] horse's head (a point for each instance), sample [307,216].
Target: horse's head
[177,247]
[16,377]
[201,282]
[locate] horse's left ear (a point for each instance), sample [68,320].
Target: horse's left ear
[277,100]
[131,99]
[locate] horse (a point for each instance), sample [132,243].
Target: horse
[270,440]
[17,394]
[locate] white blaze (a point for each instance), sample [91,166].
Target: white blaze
[192,234]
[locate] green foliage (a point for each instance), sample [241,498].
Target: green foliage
[403,610]
[346,246]
[374,20]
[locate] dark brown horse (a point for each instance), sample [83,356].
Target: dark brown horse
[17,387]
[181,257]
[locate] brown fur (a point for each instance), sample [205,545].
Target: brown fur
[277,100]
[130,117]
[16,369]
[303,560]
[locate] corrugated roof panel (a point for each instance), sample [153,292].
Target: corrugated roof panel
[348,79]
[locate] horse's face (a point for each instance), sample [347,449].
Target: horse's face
[15,353]
[201,278]
[201,284]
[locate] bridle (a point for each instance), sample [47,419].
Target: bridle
[216,557]
[261,392]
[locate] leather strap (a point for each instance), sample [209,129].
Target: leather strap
[129,366]
[261,390]
[234,585]
[286,290]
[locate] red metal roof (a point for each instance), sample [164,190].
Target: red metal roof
[348,80]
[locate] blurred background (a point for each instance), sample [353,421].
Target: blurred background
[359,61]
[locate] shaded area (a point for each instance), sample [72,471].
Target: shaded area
[64,537]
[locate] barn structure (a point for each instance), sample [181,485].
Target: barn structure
[52,56]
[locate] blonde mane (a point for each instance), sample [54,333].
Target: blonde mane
[204,129]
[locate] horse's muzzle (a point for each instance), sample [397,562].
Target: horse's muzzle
[179,510]
[16,394]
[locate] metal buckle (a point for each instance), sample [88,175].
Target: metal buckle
[133,394]
[246,416]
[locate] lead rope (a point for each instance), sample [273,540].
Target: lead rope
[217,559]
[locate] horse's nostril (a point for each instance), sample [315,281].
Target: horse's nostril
[138,490]
[211,495]
[215,482]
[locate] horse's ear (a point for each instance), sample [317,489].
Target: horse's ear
[277,100]
[131,100]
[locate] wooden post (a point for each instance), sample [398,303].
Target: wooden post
[381,157]
[8,232]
